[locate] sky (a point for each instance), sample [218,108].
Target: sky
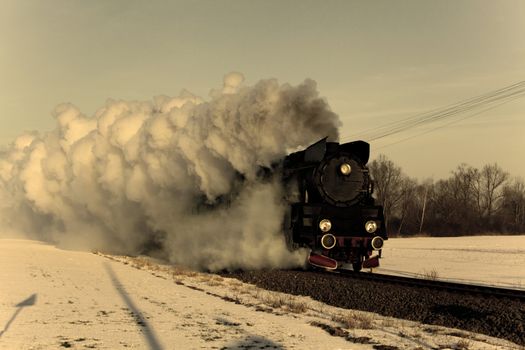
[375,62]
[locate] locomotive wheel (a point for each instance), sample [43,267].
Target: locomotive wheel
[357,266]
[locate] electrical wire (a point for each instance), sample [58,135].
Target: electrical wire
[443,126]
[485,102]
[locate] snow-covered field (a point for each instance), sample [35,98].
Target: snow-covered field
[494,260]
[54,299]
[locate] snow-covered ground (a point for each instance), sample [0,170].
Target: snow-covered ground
[53,299]
[494,260]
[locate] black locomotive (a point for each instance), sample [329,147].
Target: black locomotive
[331,210]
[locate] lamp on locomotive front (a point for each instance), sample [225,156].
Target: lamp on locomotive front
[345,169]
[371,226]
[328,241]
[325,225]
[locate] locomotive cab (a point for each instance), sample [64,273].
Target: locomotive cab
[334,213]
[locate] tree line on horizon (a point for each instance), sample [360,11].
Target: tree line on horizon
[470,201]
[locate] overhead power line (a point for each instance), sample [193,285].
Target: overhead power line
[454,112]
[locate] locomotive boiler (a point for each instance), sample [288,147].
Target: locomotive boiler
[332,211]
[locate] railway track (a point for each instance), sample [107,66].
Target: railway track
[455,287]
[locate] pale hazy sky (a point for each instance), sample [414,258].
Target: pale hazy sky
[374,61]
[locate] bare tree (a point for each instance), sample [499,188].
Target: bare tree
[465,196]
[408,200]
[443,204]
[388,184]
[513,205]
[465,179]
[492,179]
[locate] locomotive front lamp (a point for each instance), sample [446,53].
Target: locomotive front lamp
[371,226]
[325,225]
[328,241]
[377,243]
[345,169]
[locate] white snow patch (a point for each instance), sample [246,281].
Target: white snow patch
[52,298]
[492,260]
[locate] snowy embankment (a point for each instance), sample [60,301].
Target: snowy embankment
[52,298]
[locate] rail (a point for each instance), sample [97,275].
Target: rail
[435,284]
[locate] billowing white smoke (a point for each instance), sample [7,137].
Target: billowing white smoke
[176,174]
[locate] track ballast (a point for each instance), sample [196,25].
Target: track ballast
[499,314]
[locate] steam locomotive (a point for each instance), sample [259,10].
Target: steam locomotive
[331,210]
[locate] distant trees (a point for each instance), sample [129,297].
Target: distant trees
[513,206]
[470,201]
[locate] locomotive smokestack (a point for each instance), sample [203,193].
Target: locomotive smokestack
[176,174]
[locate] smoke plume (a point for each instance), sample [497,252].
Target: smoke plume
[177,175]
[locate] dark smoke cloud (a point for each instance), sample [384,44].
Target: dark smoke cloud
[156,174]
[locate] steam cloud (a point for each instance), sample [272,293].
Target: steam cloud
[176,175]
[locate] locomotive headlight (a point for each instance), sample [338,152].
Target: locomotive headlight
[325,225]
[377,243]
[371,226]
[345,169]
[328,241]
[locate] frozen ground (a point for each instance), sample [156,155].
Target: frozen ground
[494,260]
[54,299]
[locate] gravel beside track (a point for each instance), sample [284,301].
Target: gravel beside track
[497,317]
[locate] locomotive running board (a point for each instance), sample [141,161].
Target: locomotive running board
[319,260]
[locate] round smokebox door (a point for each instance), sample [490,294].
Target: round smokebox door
[341,180]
